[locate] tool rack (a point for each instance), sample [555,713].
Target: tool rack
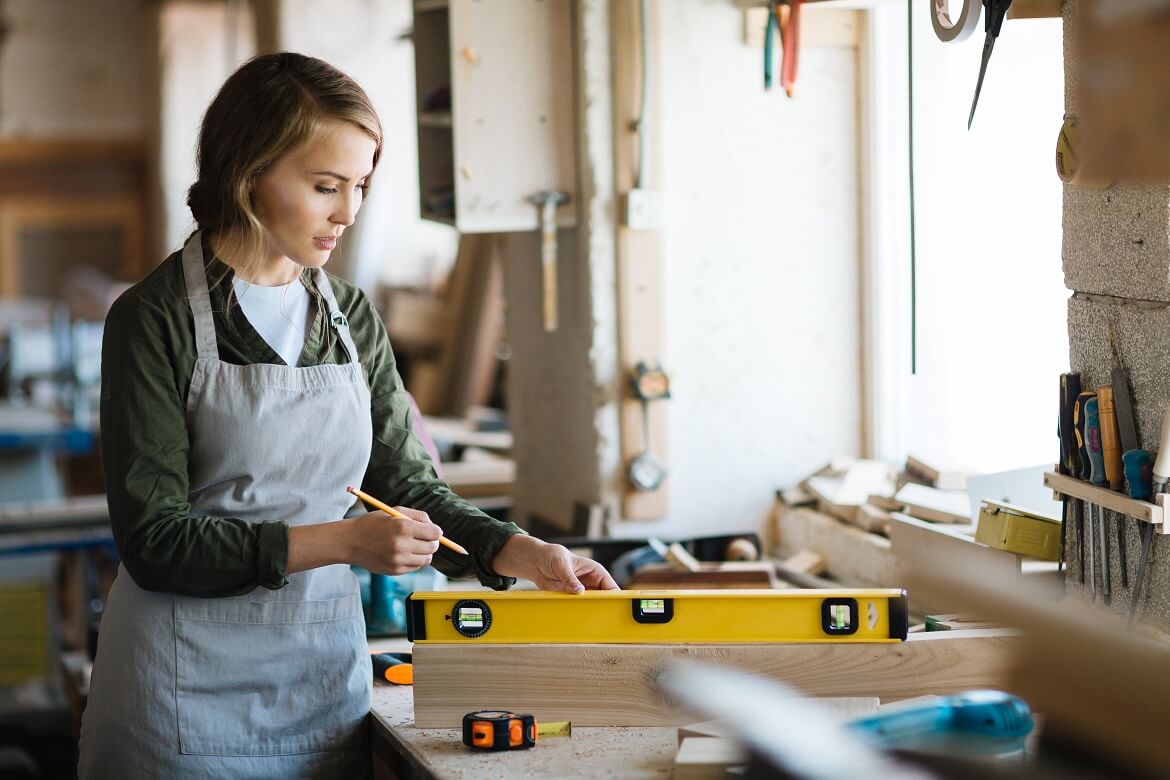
[1145,511]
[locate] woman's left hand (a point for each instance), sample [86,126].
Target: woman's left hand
[550,566]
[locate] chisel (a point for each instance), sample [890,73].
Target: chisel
[1083,470]
[1070,388]
[1098,478]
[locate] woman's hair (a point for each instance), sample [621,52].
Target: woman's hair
[270,106]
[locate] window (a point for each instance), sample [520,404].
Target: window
[991,332]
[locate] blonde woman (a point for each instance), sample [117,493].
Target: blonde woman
[243,389]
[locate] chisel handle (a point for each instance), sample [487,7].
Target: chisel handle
[1082,444]
[1070,388]
[1110,438]
[1138,470]
[1093,443]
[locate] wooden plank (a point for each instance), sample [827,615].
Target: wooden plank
[702,758]
[640,253]
[939,506]
[1100,685]
[719,576]
[920,546]
[805,562]
[611,685]
[854,557]
[1118,502]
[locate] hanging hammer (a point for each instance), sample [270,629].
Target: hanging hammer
[547,201]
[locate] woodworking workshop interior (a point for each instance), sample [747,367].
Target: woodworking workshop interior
[459,389]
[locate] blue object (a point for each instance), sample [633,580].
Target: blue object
[976,719]
[384,597]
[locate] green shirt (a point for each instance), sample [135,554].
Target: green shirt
[148,355]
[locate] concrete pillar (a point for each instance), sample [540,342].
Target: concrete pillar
[563,387]
[1117,265]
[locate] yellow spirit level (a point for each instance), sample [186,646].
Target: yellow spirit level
[659,616]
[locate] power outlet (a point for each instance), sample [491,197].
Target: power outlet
[643,210]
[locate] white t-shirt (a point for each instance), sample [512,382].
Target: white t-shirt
[279,314]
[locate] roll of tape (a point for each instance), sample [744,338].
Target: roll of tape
[1066,150]
[945,29]
[1068,162]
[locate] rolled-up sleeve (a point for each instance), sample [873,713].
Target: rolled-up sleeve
[144,449]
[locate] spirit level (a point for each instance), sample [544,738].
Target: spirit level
[659,616]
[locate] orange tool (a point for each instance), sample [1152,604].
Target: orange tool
[1110,438]
[790,38]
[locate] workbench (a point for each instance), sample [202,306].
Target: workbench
[402,751]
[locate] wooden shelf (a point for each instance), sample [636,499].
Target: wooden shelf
[435,119]
[1071,487]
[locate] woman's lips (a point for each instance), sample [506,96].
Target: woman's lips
[327,244]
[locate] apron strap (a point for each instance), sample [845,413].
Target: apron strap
[198,297]
[336,317]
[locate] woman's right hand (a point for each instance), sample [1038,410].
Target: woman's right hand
[393,545]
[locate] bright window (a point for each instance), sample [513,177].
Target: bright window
[991,325]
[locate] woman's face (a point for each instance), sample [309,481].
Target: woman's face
[309,197]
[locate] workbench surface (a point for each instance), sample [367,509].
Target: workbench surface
[409,752]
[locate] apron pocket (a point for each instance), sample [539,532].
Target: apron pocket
[270,678]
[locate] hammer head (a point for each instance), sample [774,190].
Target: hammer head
[548,196]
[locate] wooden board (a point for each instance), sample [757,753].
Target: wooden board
[739,574]
[640,258]
[937,506]
[610,685]
[921,546]
[701,758]
[852,556]
[1100,685]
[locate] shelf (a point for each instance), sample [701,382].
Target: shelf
[1070,487]
[434,216]
[435,119]
[430,5]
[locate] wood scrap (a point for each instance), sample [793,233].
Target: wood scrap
[870,518]
[805,562]
[678,555]
[937,506]
[702,758]
[919,472]
[706,728]
[611,685]
[887,503]
[796,496]
[715,576]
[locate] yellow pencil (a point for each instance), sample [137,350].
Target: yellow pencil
[450,545]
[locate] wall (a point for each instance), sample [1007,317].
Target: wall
[1117,263]
[762,270]
[72,70]
[365,38]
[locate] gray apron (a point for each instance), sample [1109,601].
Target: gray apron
[274,683]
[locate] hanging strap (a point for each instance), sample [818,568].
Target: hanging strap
[336,317]
[198,297]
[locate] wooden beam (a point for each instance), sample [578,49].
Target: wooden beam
[611,685]
[640,253]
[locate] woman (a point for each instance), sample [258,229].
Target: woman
[243,390]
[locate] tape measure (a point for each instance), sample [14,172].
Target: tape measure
[1068,162]
[503,730]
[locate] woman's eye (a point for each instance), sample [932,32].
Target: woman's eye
[326,190]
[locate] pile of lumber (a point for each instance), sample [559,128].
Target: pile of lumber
[865,492]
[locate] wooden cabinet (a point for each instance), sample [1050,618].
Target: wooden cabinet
[69,204]
[494,89]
